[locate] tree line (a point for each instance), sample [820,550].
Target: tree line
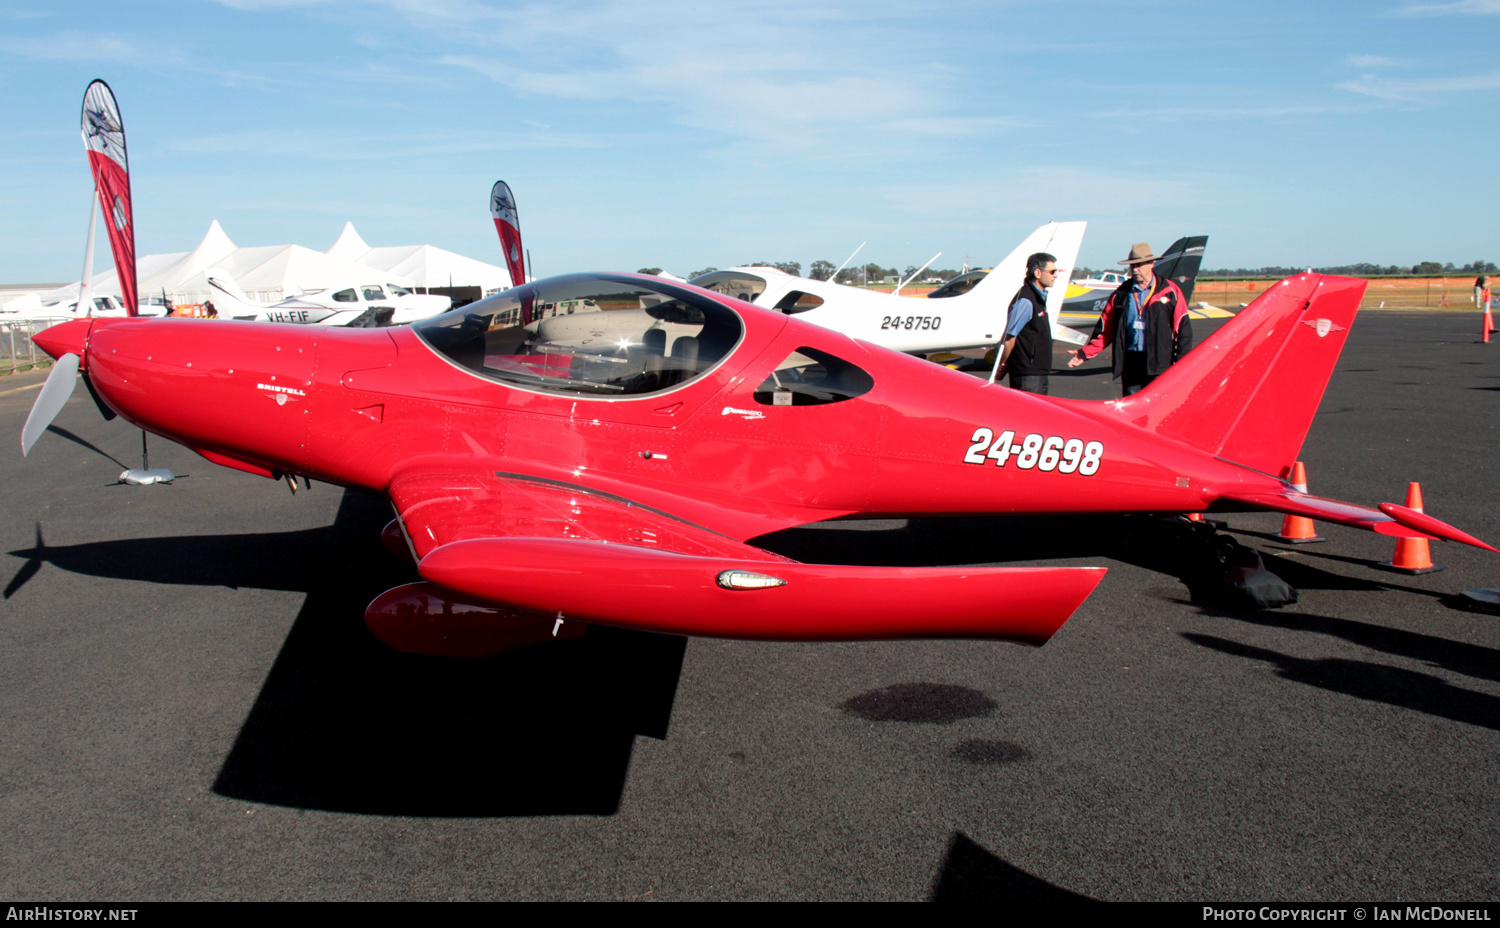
[822,270]
[874,273]
[1420,269]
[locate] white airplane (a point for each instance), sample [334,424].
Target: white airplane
[30,307]
[973,319]
[1106,280]
[1084,299]
[366,305]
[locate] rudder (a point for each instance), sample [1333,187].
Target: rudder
[1249,392]
[1181,261]
[1062,240]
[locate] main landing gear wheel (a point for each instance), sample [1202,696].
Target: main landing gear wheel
[1223,572]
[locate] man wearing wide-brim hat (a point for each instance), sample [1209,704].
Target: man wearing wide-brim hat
[1146,320]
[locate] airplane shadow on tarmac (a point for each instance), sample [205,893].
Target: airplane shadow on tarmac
[972,874]
[343,723]
[1161,546]
[1393,686]
[1370,680]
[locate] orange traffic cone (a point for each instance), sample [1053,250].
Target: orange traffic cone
[1413,556]
[1298,530]
[1486,326]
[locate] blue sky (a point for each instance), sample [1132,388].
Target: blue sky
[683,135]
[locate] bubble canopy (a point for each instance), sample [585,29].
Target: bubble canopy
[591,334]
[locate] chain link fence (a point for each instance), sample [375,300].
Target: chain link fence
[17,351]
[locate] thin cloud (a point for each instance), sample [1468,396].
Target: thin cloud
[1174,114]
[1458,8]
[1371,61]
[1419,91]
[331,146]
[114,49]
[262,6]
[1053,192]
[955,126]
[757,70]
[760,72]
[73,46]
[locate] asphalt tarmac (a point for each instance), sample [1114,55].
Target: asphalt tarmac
[191,707]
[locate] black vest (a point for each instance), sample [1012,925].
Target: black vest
[1033,352]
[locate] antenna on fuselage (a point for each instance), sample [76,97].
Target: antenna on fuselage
[835,277]
[918,271]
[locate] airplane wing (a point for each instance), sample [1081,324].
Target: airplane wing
[553,548]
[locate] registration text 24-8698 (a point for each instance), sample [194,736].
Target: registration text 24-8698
[1063,455]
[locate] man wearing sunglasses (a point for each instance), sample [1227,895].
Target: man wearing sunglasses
[1026,350]
[1146,320]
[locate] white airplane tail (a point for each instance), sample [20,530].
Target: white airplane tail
[232,302]
[25,303]
[1062,240]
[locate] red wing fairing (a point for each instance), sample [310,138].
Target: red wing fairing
[549,548]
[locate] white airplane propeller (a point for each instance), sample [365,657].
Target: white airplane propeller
[54,395]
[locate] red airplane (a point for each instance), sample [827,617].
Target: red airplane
[543,484]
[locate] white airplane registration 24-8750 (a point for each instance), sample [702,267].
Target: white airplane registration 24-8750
[971,320]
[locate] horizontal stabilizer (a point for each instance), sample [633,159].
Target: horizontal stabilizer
[721,597]
[1389,519]
[1425,523]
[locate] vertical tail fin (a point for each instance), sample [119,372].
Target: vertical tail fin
[1062,240]
[233,301]
[1180,263]
[1249,392]
[1064,247]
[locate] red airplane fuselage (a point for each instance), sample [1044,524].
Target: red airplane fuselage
[357,407]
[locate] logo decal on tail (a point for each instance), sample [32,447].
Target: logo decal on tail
[1323,326]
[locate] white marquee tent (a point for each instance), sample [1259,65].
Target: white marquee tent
[426,265]
[271,272]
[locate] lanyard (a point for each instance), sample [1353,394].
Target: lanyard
[1139,300]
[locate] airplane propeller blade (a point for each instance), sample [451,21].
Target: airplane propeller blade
[54,395]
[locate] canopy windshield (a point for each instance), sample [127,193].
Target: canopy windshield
[958,286]
[741,285]
[598,335]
